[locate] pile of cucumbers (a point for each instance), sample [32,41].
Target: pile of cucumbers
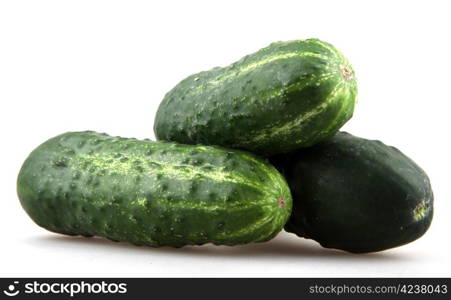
[243,151]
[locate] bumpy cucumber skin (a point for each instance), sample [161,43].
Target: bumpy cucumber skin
[283,97]
[356,195]
[152,193]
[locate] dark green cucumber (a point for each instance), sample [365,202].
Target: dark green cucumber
[285,96]
[152,193]
[356,195]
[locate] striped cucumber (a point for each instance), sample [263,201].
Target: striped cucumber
[285,96]
[152,193]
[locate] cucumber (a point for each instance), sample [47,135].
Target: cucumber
[152,193]
[357,195]
[285,96]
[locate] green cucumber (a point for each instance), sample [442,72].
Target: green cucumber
[285,96]
[356,195]
[152,193]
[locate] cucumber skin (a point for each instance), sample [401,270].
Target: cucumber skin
[356,195]
[285,96]
[152,193]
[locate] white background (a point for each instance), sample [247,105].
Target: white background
[105,65]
